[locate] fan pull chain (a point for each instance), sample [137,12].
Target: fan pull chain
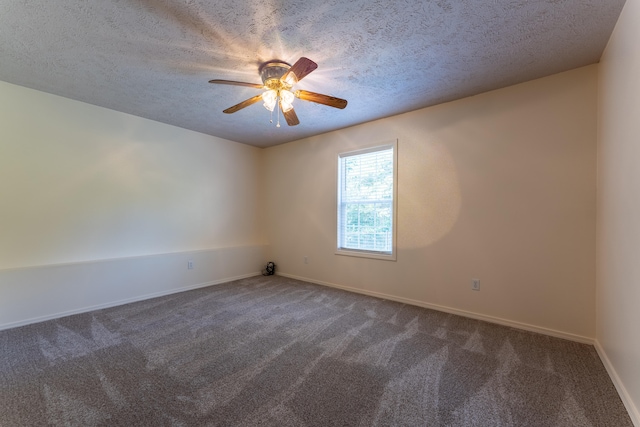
[278,107]
[271,119]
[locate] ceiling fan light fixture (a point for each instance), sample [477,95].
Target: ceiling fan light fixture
[278,79]
[286,100]
[291,79]
[270,98]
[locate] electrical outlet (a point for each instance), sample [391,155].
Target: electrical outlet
[190,264]
[475,284]
[306,259]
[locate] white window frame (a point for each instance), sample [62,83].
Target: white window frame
[367,253]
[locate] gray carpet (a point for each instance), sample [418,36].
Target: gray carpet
[271,351]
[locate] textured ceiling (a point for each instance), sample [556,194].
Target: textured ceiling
[153,58]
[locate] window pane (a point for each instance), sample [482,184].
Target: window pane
[365,217]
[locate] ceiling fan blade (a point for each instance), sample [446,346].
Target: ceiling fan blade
[300,69]
[319,98]
[243,104]
[291,117]
[231,82]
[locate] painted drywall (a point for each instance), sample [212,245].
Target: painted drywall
[84,184]
[499,187]
[80,183]
[34,294]
[618,208]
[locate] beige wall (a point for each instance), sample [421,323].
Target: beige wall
[500,187]
[79,183]
[82,184]
[618,236]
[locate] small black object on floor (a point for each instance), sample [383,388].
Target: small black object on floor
[270,269]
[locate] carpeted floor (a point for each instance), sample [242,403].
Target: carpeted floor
[271,351]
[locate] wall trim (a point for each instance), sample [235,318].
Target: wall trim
[124,301]
[126,258]
[464,313]
[633,411]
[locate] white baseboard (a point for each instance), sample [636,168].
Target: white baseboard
[477,316]
[633,411]
[123,301]
[38,293]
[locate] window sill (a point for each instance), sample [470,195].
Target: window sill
[366,254]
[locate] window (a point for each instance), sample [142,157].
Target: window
[367,202]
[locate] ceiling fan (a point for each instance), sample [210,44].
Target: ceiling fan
[278,79]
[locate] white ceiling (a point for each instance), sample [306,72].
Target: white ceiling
[153,58]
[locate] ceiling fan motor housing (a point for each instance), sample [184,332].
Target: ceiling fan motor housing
[271,73]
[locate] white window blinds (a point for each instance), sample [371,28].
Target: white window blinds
[365,200]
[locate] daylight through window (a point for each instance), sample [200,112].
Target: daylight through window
[366,190]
